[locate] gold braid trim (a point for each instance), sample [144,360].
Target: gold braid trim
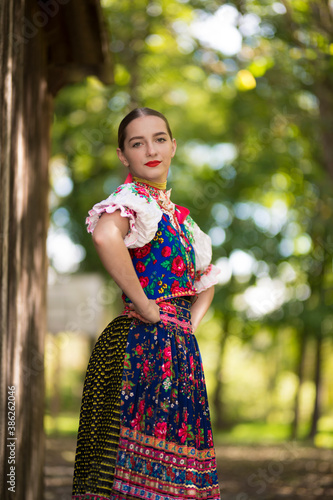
[158,185]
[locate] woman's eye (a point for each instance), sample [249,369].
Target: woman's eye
[136,144]
[161,139]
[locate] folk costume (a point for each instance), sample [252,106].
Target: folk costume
[145,430]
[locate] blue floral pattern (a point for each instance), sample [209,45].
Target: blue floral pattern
[166,445]
[165,266]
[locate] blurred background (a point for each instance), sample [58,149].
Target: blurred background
[247,87]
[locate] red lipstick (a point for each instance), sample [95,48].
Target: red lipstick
[152,163]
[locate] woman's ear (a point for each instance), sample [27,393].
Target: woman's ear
[174,147]
[122,157]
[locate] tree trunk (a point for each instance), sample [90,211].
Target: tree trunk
[43,45]
[325,96]
[25,109]
[321,290]
[300,374]
[218,393]
[317,381]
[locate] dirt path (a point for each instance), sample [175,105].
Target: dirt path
[286,471]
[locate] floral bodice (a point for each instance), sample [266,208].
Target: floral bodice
[170,253]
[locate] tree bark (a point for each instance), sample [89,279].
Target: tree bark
[25,122]
[325,97]
[300,374]
[218,393]
[317,381]
[320,236]
[31,63]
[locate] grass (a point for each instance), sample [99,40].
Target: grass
[270,433]
[254,432]
[65,424]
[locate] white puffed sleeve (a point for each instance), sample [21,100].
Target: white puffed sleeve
[141,209]
[206,272]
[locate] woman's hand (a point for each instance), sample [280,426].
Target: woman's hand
[147,314]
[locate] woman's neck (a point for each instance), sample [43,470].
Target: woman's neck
[157,185]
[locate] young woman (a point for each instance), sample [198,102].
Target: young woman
[145,430]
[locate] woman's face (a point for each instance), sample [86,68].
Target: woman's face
[148,148]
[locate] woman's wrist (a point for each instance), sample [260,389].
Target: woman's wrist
[200,306]
[142,303]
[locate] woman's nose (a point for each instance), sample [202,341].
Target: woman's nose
[150,149]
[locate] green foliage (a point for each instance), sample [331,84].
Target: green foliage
[269,196]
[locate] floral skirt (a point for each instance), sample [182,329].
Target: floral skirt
[145,430]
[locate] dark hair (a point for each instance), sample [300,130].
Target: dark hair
[137,113]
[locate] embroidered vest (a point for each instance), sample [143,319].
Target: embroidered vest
[166,265]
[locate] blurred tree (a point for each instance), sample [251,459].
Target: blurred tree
[252,161]
[291,59]
[34,63]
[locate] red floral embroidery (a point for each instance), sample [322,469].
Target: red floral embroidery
[144,280]
[140,267]
[189,476]
[209,478]
[141,407]
[210,438]
[175,288]
[142,190]
[135,423]
[160,429]
[143,251]
[166,251]
[126,385]
[182,432]
[191,362]
[167,352]
[168,307]
[199,274]
[166,369]
[146,367]
[178,266]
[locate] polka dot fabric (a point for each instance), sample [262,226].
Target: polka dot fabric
[98,434]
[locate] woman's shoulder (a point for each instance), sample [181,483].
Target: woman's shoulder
[131,196]
[135,203]
[132,190]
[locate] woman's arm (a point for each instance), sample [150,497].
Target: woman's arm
[108,238]
[200,306]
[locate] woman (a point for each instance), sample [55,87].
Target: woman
[144,428]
